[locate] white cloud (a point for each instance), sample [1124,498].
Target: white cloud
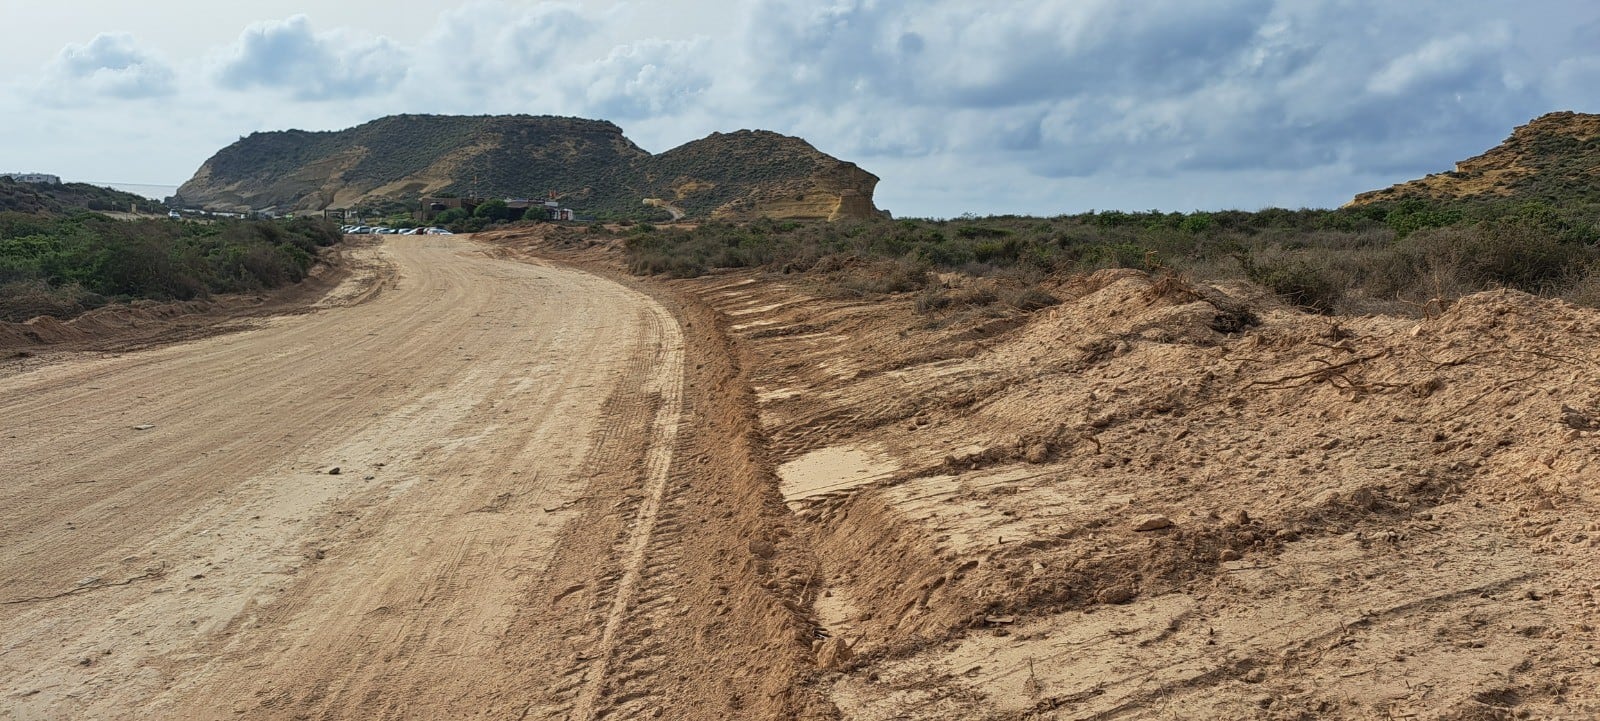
[1062,103]
[1576,79]
[289,55]
[112,65]
[1128,93]
[1440,60]
[654,77]
[495,57]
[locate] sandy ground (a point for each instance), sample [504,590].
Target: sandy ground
[567,494]
[177,543]
[1161,499]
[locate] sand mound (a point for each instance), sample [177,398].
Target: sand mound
[1426,478]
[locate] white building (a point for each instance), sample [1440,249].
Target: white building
[33,178]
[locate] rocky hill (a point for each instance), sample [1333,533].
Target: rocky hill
[1555,158]
[758,173]
[590,164]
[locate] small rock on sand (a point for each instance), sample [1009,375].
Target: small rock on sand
[835,654]
[763,549]
[1115,594]
[1152,522]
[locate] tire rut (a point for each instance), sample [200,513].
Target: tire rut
[667,387]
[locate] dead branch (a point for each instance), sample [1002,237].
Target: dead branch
[1318,374]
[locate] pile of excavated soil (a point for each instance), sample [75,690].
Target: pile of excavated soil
[1168,499]
[1163,499]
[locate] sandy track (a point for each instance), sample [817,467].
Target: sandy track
[210,566]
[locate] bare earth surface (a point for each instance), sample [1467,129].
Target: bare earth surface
[177,546]
[1166,500]
[563,494]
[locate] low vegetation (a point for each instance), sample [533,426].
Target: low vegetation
[1375,258]
[64,265]
[70,197]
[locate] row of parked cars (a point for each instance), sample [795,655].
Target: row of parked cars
[385,230]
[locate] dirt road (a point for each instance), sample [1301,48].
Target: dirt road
[177,543]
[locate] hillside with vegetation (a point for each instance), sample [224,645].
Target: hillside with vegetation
[69,197]
[1525,216]
[1555,159]
[754,174]
[387,164]
[63,265]
[1400,259]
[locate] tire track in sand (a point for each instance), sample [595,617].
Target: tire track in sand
[667,383]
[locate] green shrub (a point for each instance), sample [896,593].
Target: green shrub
[1365,259]
[1521,254]
[1411,216]
[1296,281]
[87,258]
[491,210]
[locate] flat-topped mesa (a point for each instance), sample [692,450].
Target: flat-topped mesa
[589,164]
[1554,158]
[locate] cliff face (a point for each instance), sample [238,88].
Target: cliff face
[1555,158]
[590,164]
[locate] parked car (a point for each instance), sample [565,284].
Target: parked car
[175,215]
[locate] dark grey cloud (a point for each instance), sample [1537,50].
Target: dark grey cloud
[111,65]
[1055,103]
[969,55]
[1152,89]
[289,55]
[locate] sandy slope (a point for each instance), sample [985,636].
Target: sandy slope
[1358,518]
[177,547]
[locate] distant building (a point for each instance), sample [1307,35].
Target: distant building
[521,208]
[44,178]
[431,207]
[533,209]
[554,211]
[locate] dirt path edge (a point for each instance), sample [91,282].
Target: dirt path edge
[739,631]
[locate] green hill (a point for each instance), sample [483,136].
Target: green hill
[66,198]
[589,164]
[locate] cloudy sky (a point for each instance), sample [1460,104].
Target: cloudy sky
[999,107]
